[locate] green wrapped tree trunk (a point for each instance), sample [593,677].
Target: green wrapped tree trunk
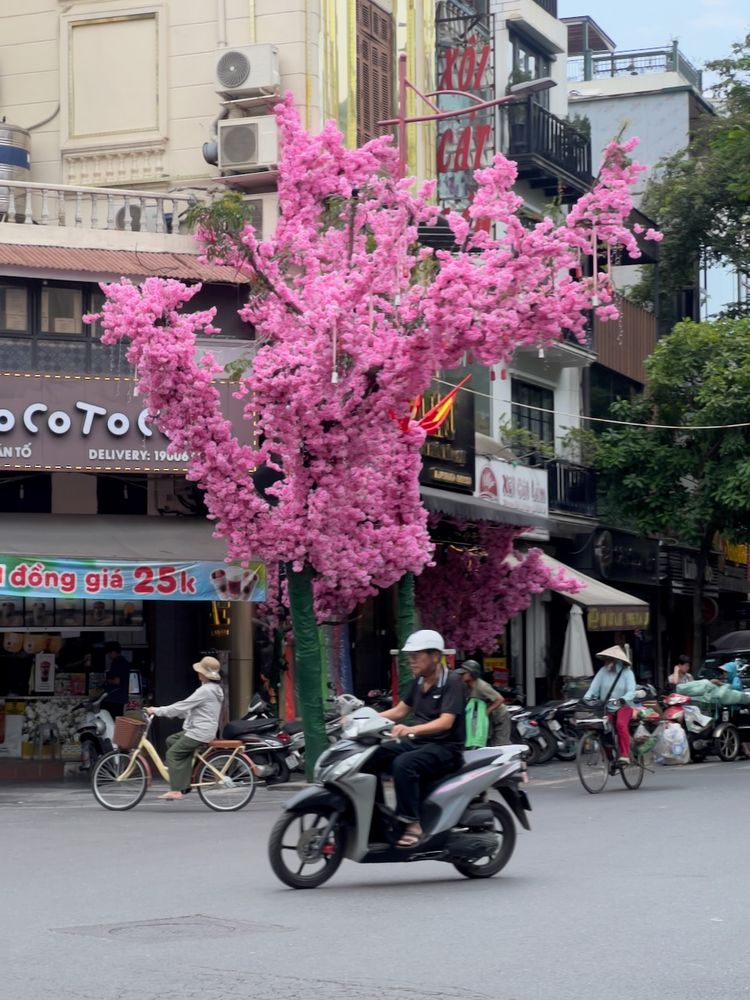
[406,623]
[308,680]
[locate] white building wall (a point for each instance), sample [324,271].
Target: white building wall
[659,120]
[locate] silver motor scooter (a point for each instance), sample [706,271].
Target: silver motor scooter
[342,815]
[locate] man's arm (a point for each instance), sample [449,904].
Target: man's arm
[440,725]
[397,713]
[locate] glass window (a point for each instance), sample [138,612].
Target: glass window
[14,308]
[61,310]
[480,387]
[532,409]
[528,63]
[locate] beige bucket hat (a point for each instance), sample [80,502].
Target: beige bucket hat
[209,667]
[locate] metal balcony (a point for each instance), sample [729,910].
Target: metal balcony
[572,488]
[637,62]
[550,153]
[549,5]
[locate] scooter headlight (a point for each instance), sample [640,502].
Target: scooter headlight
[100,727]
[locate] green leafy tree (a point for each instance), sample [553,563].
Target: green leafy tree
[686,475]
[701,195]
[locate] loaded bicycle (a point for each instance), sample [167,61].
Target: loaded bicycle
[223,775]
[598,754]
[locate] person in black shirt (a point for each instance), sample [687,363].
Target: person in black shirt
[432,745]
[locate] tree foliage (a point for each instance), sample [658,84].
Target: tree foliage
[681,480]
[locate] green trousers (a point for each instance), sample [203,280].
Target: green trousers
[180,750]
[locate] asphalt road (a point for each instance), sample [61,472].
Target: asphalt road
[620,895]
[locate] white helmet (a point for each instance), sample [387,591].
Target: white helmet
[424,639]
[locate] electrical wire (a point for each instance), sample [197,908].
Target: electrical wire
[605,420]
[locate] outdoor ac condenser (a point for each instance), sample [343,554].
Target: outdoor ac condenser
[248,144]
[248,71]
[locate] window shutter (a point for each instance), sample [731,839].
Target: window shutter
[375,69]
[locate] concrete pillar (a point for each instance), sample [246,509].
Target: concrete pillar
[240,657]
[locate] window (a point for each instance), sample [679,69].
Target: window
[14,309]
[42,330]
[375,69]
[528,63]
[532,409]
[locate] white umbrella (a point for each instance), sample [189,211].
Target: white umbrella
[576,659]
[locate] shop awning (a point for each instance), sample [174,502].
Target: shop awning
[607,609]
[473,508]
[95,536]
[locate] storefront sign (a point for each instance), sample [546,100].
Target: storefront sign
[98,580]
[465,63]
[616,619]
[448,455]
[513,486]
[88,423]
[620,556]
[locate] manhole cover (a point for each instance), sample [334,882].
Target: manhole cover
[172,929]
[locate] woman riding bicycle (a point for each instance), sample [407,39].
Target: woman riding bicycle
[616,680]
[201,711]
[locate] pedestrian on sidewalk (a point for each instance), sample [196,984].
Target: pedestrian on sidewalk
[201,711]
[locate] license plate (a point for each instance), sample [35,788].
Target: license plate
[292,760]
[554,724]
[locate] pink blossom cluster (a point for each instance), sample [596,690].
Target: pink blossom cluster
[470,593]
[352,319]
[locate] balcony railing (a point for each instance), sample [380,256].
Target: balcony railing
[535,131]
[93,208]
[549,5]
[599,65]
[572,488]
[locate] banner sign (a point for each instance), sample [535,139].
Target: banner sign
[90,423]
[516,487]
[150,581]
[616,619]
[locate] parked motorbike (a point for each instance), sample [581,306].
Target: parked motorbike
[95,733]
[276,747]
[342,817]
[528,725]
[707,736]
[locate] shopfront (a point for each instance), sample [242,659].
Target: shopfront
[99,543]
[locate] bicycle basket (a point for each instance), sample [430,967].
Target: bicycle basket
[589,718]
[128,732]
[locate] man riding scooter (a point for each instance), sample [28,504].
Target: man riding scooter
[433,745]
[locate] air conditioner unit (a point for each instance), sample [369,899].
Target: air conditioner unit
[248,71]
[248,144]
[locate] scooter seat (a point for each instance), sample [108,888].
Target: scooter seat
[242,727]
[293,727]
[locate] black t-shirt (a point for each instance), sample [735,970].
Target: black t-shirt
[447,695]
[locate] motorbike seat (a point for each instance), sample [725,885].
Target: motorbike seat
[292,727]
[236,730]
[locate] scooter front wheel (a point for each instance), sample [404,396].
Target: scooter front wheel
[505,829]
[299,855]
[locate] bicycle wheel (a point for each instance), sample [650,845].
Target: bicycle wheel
[592,763]
[110,789]
[233,790]
[632,773]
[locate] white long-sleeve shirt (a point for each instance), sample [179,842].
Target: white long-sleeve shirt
[201,711]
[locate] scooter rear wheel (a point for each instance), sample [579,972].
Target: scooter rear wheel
[506,831]
[295,845]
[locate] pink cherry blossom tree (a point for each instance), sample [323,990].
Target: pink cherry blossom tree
[471,591]
[352,317]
